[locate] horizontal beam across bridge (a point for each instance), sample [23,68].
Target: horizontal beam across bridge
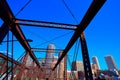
[45,50]
[45,24]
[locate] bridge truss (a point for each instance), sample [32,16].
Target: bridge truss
[19,70]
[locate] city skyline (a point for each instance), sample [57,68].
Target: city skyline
[78,64]
[102,34]
[52,46]
[34,33]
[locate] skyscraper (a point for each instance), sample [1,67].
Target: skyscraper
[49,59]
[55,58]
[49,54]
[61,68]
[95,61]
[77,66]
[110,62]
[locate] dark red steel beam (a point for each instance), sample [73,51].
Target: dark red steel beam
[85,56]
[21,38]
[45,24]
[3,31]
[91,12]
[8,17]
[3,68]
[5,12]
[9,59]
[5,16]
[45,50]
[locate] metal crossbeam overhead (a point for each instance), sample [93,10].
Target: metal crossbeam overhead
[7,16]
[45,50]
[91,12]
[45,24]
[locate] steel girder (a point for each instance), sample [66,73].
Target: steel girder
[86,60]
[17,66]
[3,70]
[31,72]
[9,59]
[91,12]
[3,31]
[45,24]
[8,18]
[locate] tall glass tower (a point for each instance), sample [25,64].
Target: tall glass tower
[95,61]
[110,62]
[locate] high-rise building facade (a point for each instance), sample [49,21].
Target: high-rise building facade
[55,58]
[61,69]
[110,62]
[95,61]
[77,66]
[49,59]
[49,54]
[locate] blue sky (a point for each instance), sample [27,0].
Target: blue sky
[102,34]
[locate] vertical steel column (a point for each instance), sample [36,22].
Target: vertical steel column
[86,60]
[7,55]
[65,67]
[12,75]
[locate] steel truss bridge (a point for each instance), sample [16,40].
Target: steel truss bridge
[18,70]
